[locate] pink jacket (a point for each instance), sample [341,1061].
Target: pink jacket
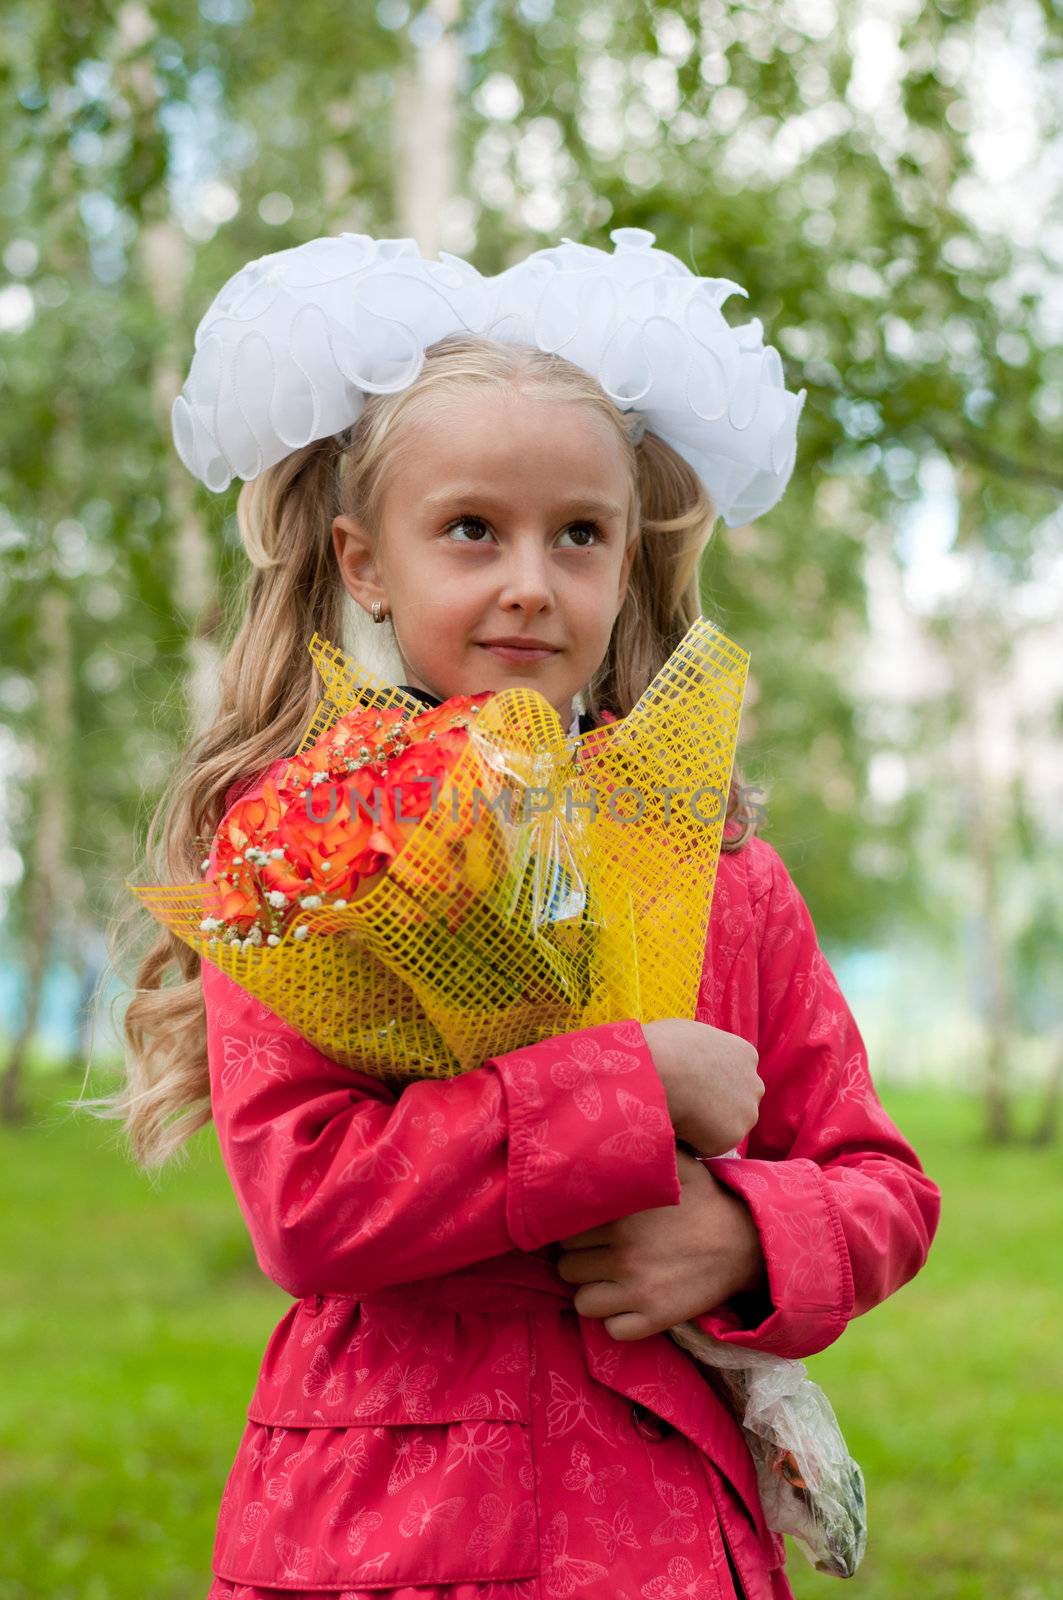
[431,1410]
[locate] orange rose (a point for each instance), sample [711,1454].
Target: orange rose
[237,906]
[409,772]
[280,875]
[337,830]
[364,728]
[457,712]
[249,819]
[301,770]
[378,732]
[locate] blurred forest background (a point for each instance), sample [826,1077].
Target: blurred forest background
[885,178]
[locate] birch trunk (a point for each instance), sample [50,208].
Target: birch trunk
[167,261]
[48,848]
[976,634]
[426,122]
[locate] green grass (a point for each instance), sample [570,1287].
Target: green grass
[950,1394]
[133,1318]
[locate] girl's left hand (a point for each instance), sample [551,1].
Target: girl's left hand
[646,1272]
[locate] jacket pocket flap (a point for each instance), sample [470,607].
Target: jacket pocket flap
[378,1507]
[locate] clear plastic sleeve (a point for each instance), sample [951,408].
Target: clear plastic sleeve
[810,1486]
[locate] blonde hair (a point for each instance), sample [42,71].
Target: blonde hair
[269,687]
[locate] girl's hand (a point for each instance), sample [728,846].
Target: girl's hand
[710,1082]
[646,1272]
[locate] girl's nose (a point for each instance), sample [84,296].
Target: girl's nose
[526,581]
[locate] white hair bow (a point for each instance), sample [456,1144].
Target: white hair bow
[294,342]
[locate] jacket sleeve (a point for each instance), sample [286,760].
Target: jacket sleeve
[346,1188]
[845,1212]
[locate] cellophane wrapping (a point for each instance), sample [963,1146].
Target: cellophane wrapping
[810,1486]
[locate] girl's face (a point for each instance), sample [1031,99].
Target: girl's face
[506,517]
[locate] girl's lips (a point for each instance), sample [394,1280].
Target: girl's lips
[513,652]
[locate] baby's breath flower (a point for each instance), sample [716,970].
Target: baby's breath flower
[204,864]
[273,939]
[301,933]
[310,902]
[339,904]
[277,898]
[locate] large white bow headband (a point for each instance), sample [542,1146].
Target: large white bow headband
[295,340]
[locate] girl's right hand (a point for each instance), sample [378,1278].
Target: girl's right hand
[710,1082]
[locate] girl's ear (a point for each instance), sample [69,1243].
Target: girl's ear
[354,557]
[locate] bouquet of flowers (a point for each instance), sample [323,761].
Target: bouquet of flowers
[416,890]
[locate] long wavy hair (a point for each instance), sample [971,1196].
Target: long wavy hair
[269,686]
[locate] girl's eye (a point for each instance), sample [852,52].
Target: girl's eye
[592,527]
[464,522]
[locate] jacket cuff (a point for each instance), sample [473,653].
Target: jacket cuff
[590,1138]
[810,1282]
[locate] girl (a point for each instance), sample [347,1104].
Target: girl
[473,1395]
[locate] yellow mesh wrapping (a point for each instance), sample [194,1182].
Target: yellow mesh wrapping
[556,881]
